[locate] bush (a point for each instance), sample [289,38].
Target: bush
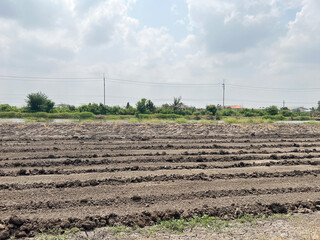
[273,110]
[218,115]
[229,112]
[40,115]
[286,113]
[164,110]
[250,112]
[61,115]
[212,109]
[278,117]
[86,115]
[304,118]
[8,108]
[144,116]
[10,115]
[113,117]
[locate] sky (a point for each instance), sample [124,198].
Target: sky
[266,51]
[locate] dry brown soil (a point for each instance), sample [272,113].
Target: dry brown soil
[89,175]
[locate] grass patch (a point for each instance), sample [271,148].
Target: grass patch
[312,122]
[120,229]
[133,120]
[51,234]
[207,121]
[181,120]
[247,120]
[112,117]
[181,225]
[153,120]
[175,226]
[246,218]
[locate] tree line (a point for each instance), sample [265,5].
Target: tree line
[39,102]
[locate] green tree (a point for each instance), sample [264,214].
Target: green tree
[141,106]
[177,104]
[150,106]
[212,109]
[273,110]
[145,106]
[39,102]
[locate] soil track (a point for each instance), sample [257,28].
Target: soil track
[88,175]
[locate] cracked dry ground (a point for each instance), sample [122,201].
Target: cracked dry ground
[90,175]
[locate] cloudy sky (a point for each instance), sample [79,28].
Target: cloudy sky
[267,51]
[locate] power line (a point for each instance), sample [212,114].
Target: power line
[164,83]
[91,79]
[272,88]
[119,80]
[52,78]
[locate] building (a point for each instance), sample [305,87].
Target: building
[234,107]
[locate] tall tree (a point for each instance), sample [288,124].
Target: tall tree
[141,106]
[39,102]
[177,104]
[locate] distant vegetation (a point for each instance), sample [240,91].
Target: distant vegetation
[38,105]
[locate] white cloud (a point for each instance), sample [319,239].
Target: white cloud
[299,49]
[243,41]
[233,26]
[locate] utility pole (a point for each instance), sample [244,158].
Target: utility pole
[104,89]
[224,89]
[283,104]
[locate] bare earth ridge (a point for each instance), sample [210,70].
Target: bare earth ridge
[90,175]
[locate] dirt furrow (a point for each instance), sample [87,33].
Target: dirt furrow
[106,168]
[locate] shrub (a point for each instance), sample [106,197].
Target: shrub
[273,110]
[144,116]
[229,112]
[164,110]
[286,113]
[8,108]
[8,115]
[218,115]
[61,115]
[268,117]
[113,117]
[40,115]
[86,115]
[212,109]
[304,118]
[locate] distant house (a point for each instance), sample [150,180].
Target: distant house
[300,109]
[234,107]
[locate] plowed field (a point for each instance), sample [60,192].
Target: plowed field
[89,175]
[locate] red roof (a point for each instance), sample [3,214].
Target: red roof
[234,107]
